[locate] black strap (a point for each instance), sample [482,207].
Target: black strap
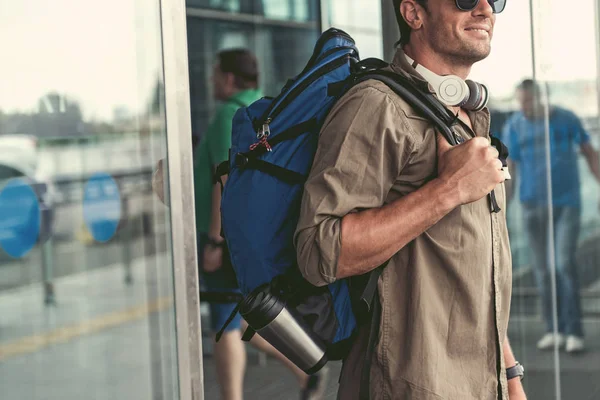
[248,334]
[365,379]
[503,156]
[220,297]
[502,149]
[369,64]
[432,109]
[226,324]
[289,134]
[222,170]
[494,207]
[423,103]
[250,158]
[334,89]
[368,295]
[286,175]
[426,103]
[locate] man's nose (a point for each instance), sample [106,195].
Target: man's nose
[485,8]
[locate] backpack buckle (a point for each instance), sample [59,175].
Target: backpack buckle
[241,160]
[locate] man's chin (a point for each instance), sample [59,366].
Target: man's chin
[474,55]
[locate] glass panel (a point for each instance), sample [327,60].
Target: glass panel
[553,214]
[86,279]
[293,10]
[356,13]
[281,52]
[572,130]
[362,20]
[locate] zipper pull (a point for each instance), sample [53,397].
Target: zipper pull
[265,130]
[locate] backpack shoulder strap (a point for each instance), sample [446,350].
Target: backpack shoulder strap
[424,103]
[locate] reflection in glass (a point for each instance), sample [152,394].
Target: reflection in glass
[86,298]
[292,10]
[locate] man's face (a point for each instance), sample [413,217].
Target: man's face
[221,83]
[463,36]
[528,103]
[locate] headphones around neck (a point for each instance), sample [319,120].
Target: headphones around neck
[453,91]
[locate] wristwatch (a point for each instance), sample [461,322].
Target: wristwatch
[513,372]
[214,243]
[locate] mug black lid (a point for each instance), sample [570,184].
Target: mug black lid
[261,307]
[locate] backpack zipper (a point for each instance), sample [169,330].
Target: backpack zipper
[265,130]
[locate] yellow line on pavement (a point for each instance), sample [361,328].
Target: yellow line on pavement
[35,343]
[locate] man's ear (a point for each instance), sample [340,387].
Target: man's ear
[411,12]
[230,80]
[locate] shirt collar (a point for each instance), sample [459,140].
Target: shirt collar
[245,96]
[401,65]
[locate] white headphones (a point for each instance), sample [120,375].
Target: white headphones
[453,91]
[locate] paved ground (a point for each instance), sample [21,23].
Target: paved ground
[106,340]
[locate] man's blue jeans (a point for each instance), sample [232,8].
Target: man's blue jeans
[567,222]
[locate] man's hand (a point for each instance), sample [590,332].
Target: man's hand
[158,184]
[472,169]
[212,258]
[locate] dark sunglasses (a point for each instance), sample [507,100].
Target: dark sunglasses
[469,5]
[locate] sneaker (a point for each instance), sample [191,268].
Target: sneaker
[574,344]
[548,341]
[316,385]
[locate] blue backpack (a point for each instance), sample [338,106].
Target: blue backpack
[274,141]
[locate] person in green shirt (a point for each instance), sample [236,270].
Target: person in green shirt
[235,84]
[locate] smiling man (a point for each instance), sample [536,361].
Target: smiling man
[384,185]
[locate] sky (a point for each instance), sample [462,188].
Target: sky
[565,49]
[105,53]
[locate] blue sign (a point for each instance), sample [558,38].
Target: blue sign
[19,217]
[101,206]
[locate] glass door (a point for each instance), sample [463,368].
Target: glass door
[98,281]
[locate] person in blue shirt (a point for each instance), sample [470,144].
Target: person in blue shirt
[526,135]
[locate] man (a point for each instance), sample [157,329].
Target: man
[526,135]
[235,84]
[384,185]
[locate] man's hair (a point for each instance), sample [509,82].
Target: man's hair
[529,85]
[404,28]
[242,64]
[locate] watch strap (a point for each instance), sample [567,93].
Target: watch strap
[516,371]
[211,241]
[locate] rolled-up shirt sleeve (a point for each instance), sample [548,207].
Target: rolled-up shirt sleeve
[363,145]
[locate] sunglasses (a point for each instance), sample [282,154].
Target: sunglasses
[469,5]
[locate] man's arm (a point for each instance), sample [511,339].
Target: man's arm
[515,387]
[591,156]
[345,226]
[466,173]
[212,257]
[214,231]
[218,143]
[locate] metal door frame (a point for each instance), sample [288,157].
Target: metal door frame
[181,195]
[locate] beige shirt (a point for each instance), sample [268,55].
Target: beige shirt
[446,295]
